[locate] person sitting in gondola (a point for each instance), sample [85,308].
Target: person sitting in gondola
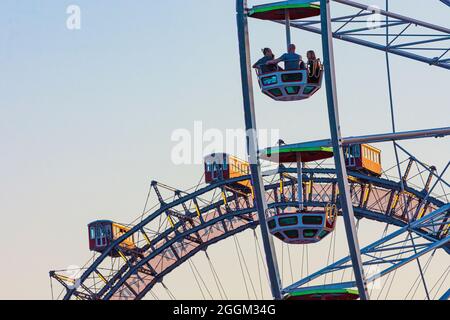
[292,61]
[314,67]
[262,65]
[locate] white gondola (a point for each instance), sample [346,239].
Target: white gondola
[303,227]
[290,85]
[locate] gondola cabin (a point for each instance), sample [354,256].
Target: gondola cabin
[303,227]
[290,85]
[222,166]
[103,232]
[363,157]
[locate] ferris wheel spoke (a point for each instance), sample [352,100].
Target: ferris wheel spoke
[258,264]
[378,255]
[391,276]
[244,266]
[290,263]
[216,278]
[196,279]
[202,281]
[258,246]
[170,294]
[416,284]
[442,279]
[421,270]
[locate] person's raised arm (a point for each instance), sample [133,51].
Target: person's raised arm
[275,61]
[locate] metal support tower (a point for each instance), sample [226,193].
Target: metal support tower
[333,115]
[300,182]
[288,28]
[252,146]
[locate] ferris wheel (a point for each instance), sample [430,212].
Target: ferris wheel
[312,205]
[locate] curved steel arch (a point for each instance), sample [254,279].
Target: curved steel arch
[220,220]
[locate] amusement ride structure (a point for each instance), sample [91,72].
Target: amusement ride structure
[302,200]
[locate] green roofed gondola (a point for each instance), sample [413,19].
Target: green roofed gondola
[297,9]
[286,154]
[323,294]
[305,225]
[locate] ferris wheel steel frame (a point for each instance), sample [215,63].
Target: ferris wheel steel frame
[376,138]
[349,28]
[252,146]
[336,139]
[376,204]
[424,218]
[338,151]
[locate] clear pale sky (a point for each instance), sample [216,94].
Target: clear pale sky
[86,116]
